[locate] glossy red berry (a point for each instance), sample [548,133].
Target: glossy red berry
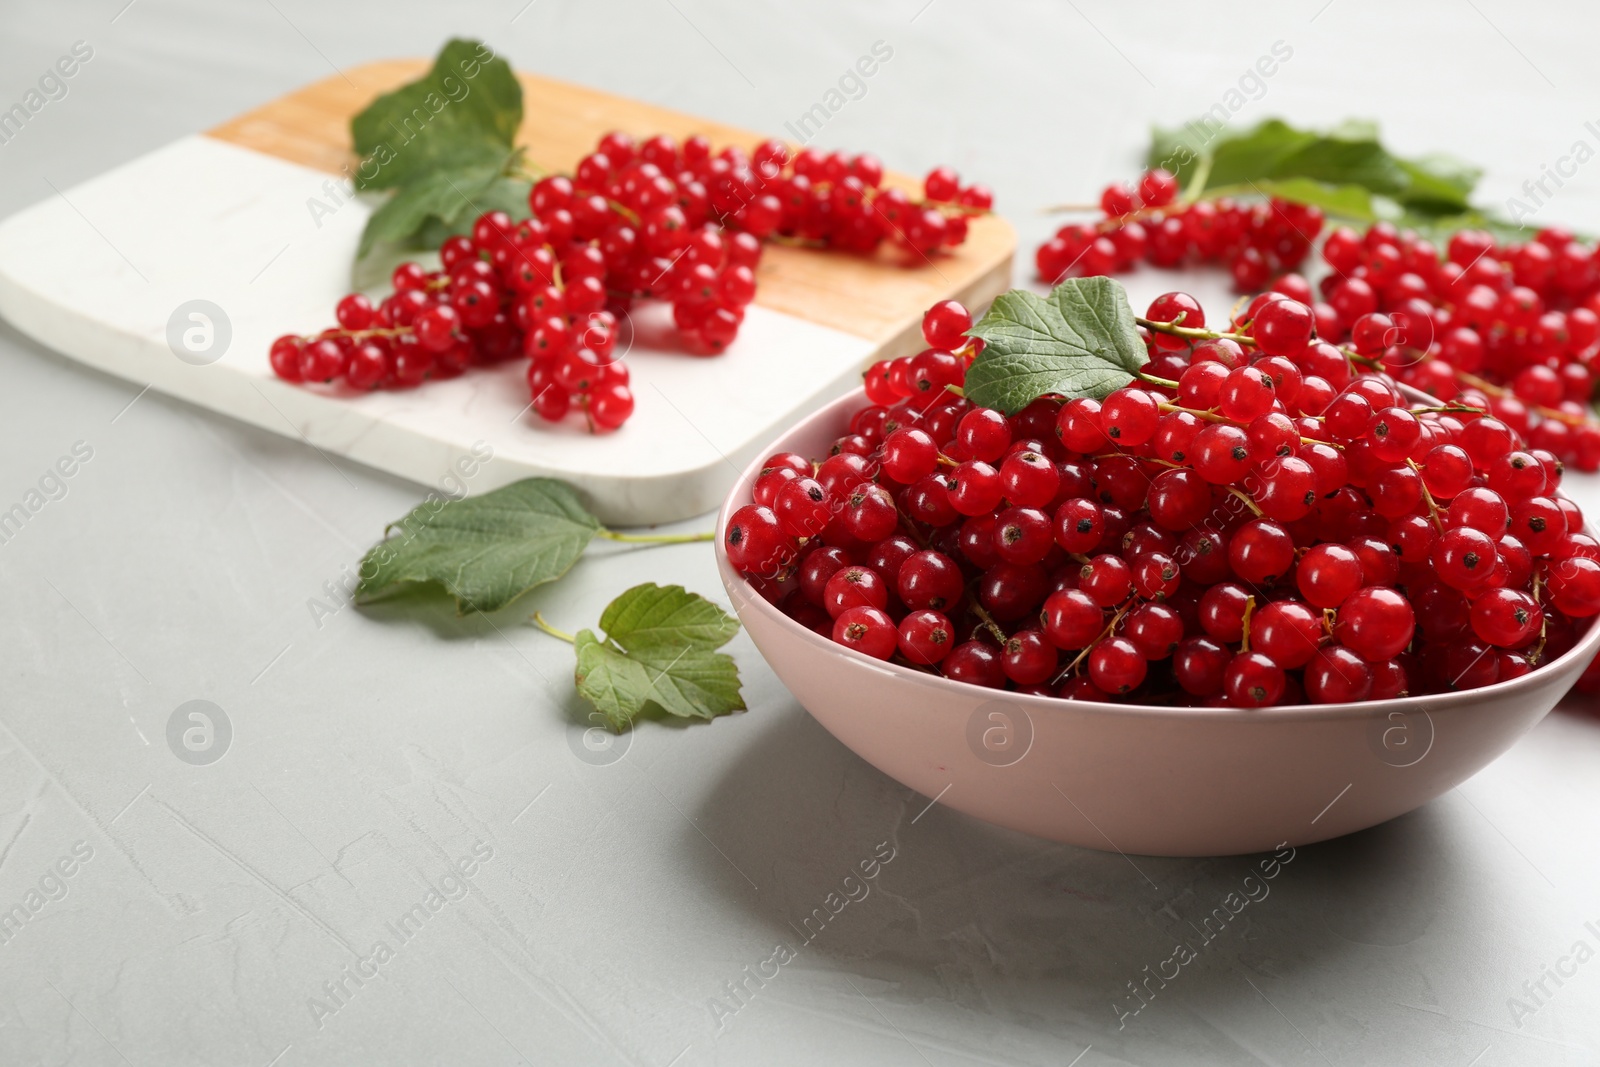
[1376,622]
[1116,666]
[1251,680]
[868,630]
[926,637]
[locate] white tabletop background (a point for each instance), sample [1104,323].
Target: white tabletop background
[628,888]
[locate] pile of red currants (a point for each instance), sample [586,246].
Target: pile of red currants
[651,220]
[1258,518]
[1519,323]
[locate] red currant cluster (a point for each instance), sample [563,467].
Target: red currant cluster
[654,220]
[1255,242]
[1518,323]
[1256,520]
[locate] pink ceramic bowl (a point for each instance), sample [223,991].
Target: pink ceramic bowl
[1132,778]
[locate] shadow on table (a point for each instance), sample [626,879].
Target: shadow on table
[979,919]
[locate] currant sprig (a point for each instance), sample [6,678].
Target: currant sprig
[635,220]
[1516,323]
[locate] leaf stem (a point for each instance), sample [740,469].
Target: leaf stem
[656,539]
[538,620]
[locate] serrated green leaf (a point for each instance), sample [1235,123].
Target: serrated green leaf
[1081,340]
[445,195]
[503,193]
[658,647]
[1439,183]
[1335,161]
[464,112]
[654,615]
[1345,170]
[1345,201]
[484,550]
[1256,153]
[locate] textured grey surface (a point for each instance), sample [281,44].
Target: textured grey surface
[373,752]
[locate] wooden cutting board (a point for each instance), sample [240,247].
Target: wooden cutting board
[221,225]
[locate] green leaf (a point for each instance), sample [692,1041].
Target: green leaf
[1348,155]
[1257,153]
[445,195]
[446,144]
[1439,182]
[1345,201]
[659,647]
[500,194]
[484,550]
[655,615]
[464,112]
[1081,340]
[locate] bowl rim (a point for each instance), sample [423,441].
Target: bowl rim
[1587,645]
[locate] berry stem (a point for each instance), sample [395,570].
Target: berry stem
[656,539]
[1249,610]
[1110,628]
[1251,504]
[538,620]
[1212,416]
[1433,508]
[1208,416]
[1166,383]
[1490,389]
[1537,651]
[625,211]
[1192,334]
[988,621]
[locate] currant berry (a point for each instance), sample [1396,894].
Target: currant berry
[1199,664]
[1261,552]
[926,637]
[930,580]
[803,507]
[1506,617]
[754,541]
[1377,623]
[975,663]
[1336,675]
[854,586]
[1027,658]
[945,324]
[868,630]
[1116,666]
[1251,680]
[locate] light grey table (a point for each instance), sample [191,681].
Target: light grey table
[624,902]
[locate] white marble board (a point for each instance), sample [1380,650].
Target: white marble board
[98,271]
